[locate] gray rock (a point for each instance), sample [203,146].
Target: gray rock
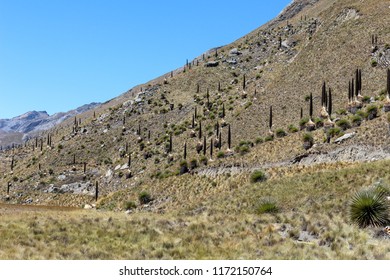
[345,137]
[232,61]
[212,64]
[61,177]
[109,173]
[234,51]
[29,201]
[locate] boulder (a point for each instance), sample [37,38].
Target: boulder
[345,137]
[234,51]
[212,64]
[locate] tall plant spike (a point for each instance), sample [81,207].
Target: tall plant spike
[170,143]
[330,102]
[200,130]
[388,82]
[220,140]
[204,145]
[229,137]
[223,110]
[311,106]
[323,95]
[270,117]
[129,161]
[211,148]
[349,92]
[352,89]
[244,83]
[185,150]
[96,191]
[357,82]
[301,113]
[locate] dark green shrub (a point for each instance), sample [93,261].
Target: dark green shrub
[259,140]
[319,122]
[370,207]
[144,197]
[356,120]
[267,206]
[268,138]
[343,124]
[308,141]
[280,133]
[183,167]
[372,112]
[292,129]
[258,176]
[334,131]
[308,137]
[303,122]
[220,154]
[366,99]
[193,163]
[203,160]
[128,205]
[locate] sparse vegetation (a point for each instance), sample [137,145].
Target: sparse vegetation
[258,176]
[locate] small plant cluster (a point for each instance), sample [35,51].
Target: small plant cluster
[258,176]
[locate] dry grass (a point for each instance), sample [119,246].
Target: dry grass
[217,220]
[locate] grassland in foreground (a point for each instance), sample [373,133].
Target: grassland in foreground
[225,220]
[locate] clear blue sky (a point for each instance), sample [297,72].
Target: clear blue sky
[56,55]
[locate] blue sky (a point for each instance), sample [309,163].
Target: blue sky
[56,55]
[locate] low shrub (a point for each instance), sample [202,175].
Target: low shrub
[258,176]
[267,206]
[144,197]
[343,124]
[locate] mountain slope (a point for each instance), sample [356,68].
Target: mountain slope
[279,65]
[20,128]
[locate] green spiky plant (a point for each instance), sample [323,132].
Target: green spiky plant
[370,207]
[267,205]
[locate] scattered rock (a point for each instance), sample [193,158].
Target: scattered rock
[232,61]
[234,51]
[109,173]
[345,137]
[212,64]
[29,201]
[61,177]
